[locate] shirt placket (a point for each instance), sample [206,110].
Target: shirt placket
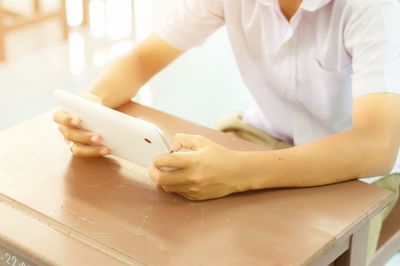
[288,53]
[301,123]
[288,49]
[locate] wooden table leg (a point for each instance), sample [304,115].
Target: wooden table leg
[356,255]
[36,6]
[64,22]
[2,36]
[85,11]
[330,256]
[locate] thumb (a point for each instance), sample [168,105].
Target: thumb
[189,142]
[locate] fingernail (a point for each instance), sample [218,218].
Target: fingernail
[75,121]
[175,147]
[95,139]
[104,151]
[153,173]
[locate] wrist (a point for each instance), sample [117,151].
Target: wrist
[249,174]
[258,170]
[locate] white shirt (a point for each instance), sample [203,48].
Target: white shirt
[303,74]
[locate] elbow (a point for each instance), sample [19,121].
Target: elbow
[384,169]
[382,160]
[388,167]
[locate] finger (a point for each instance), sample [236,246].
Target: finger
[180,189]
[185,191]
[83,150]
[63,118]
[172,160]
[168,178]
[79,135]
[186,141]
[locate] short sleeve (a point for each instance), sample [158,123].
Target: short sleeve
[191,22]
[372,37]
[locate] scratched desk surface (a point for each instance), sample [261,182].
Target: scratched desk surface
[108,209]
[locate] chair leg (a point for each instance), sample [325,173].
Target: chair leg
[36,6]
[64,22]
[85,11]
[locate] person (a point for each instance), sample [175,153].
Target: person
[325,75]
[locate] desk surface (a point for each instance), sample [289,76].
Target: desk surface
[71,211]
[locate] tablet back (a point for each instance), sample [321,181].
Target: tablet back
[130,138]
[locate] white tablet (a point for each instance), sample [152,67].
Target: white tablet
[130,138]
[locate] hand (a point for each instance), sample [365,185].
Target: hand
[83,143]
[208,170]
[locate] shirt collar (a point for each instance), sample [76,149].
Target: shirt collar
[309,5]
[269,2]
[313,5]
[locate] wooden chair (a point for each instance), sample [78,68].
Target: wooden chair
[389,242]
[85,11]
[11,21]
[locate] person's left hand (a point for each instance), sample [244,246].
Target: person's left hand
[204,170]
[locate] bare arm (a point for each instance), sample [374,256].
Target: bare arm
[117,85]
[211,171]
[368,149]
[123,78]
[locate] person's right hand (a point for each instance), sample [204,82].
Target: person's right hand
[82,143]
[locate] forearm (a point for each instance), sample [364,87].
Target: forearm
[120,81]
[124,77]
[340,157]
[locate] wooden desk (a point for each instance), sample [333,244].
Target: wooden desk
[56,209]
